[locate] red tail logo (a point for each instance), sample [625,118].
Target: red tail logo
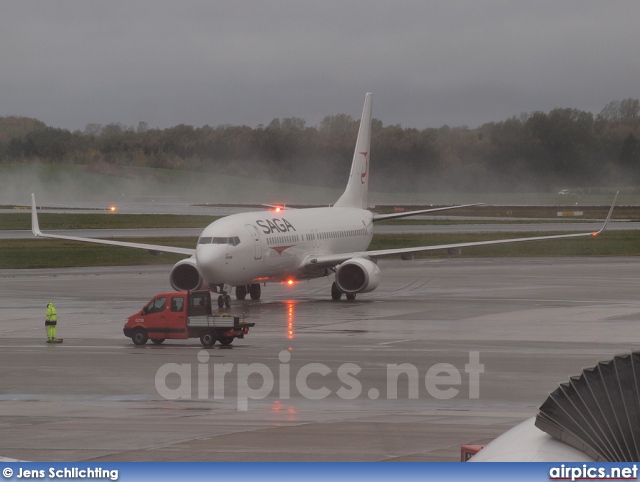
[363,175]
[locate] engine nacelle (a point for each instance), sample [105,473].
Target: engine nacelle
[185,275]
[358,275]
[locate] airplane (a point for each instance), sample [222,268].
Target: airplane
[246,250]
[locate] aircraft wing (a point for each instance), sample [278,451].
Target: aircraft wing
[331,260]
[383,217]
[35,228]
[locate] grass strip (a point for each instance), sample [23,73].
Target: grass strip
[56,253]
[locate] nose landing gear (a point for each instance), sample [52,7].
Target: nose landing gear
[224,300]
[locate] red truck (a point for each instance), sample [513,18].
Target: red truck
[180,315]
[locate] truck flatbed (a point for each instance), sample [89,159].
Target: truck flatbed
[217,321]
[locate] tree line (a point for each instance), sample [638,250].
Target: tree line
[542,151]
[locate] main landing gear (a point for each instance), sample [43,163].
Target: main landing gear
[241,292]
[336,294]
[253,290]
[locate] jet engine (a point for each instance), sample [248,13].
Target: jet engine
[358,275]
[185,275]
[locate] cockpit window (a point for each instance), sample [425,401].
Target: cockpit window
[233,241]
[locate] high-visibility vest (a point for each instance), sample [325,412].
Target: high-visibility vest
[52,316]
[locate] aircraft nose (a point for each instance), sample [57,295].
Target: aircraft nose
[208,258]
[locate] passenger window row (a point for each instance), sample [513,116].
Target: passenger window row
[343,234]
[293,238]
[311,236]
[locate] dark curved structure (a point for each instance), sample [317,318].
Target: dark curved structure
[598,412]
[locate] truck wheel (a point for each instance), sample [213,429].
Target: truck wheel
[139,336]
[226,340]
[207,339]
[158,341]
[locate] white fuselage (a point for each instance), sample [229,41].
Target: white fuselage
[273,246]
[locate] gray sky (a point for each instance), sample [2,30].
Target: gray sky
[197,62]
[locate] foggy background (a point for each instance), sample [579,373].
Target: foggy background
[198,62]
[485,96]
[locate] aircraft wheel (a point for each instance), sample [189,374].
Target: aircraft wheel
[158,341]
[207,338]
[351,296]
[139,336]
[336,294]
[220,301]
[227,301]
[241,292]
[254,291]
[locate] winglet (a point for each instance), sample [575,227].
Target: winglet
[35,226]
[604,226]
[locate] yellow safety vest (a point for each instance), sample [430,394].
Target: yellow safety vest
[52,316]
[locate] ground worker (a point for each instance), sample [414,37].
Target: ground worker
[50,322]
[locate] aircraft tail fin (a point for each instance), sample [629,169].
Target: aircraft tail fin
[355,195]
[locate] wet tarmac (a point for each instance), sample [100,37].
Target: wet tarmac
[516,326]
